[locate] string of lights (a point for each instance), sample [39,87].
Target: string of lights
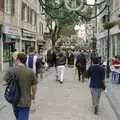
[45,4]
[64,3]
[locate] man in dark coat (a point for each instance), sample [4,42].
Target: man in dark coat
[81,65]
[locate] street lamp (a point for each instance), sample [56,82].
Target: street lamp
[93,39]
[108,38]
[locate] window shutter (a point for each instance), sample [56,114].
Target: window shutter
[13,7]
[31,16]
[35,18]
[23,11]
[28,14]
[2,5]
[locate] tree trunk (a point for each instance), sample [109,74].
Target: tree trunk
[53,43]
[54,32]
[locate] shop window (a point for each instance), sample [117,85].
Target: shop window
[8,49]
[6,53]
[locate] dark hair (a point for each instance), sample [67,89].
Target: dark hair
[22,57]
[95,60]
[31,49]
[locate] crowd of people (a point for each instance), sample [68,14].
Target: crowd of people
[29,67]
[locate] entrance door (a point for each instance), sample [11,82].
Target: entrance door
[8,49]
[12,47]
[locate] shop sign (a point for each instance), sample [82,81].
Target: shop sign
[28,34]
[12,30]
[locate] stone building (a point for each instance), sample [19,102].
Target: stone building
[9,33]
[28,23]
[114,32]
[21,25]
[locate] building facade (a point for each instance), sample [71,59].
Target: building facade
[21,26]
[9,31]
[28,23]
[102,34]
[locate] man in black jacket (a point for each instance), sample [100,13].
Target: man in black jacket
[60,65]
[81,65]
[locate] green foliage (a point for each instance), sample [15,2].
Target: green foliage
[67,30]
[58,11]
[93,45]
[109,25]
[64,19]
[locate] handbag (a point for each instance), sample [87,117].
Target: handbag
[103,85]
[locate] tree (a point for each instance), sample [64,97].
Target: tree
[109,25]
[64,19]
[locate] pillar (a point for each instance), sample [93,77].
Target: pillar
[1,53]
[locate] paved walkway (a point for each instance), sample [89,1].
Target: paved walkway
[113,95]
[69,101]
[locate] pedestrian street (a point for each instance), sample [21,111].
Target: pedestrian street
[68,101]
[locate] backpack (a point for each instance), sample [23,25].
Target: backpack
[94,55]
[79,61]
[30,61]
[12,92]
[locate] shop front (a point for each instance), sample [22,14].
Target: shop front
[26,44]
[28,40]
[10,42]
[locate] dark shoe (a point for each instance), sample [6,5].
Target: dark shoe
[96,110]
[61,82]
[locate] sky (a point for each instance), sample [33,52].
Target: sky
[90,1]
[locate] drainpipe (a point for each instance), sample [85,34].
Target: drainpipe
[19,21]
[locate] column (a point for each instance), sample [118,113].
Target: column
[116,44]
[1,53]
[19,24]
[111,47]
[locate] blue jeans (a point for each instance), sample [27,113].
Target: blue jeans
[21,113]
